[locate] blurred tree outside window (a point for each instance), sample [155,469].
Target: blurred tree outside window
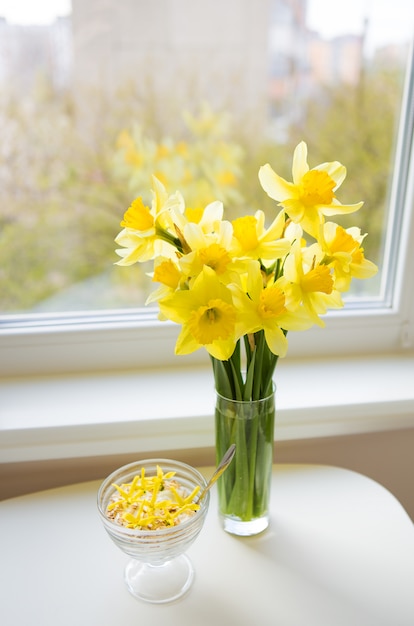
[95,100]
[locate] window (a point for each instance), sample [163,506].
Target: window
[103,106]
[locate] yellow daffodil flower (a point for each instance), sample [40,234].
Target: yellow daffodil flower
[208,219]
[311,195]
[345,254]
[165,208]
[210,242]
[263,308]
[138,236]
[148,231]
[168,274]
[253,241]
[309,283]
[207,314]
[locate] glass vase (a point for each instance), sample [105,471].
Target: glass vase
[244,488]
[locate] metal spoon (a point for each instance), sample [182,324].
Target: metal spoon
[221,467]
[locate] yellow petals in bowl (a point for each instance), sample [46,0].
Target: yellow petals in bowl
[148,510]
[152,502]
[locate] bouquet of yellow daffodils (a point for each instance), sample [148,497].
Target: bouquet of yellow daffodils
[240,282]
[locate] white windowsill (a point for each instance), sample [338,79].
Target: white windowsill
[90,415]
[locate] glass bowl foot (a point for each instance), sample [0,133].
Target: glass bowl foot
[161,583]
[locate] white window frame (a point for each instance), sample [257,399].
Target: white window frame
[105,385]
[116,340]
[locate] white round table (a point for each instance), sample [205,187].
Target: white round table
[339,552]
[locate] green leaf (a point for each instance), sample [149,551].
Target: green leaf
[257,386]
[250,376]
[248,351]
[227,375]
[221,378]
[237,382]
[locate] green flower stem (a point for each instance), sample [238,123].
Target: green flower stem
[245,416]
[253,460]
[238,502]
[260,366]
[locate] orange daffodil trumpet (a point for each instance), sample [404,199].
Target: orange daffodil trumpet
[231,282]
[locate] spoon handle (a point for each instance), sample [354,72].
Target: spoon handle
[221,467]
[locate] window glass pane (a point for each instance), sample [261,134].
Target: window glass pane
[96,96]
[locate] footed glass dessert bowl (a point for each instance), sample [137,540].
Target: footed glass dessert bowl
[150,509]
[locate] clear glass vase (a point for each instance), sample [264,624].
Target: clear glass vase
[244,488]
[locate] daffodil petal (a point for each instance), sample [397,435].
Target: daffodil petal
[337,208]
[365,269]
[186,344]
[300,165]
[212,213]
[295,208]
[276,340]
[276,228]
[274,185]
[177,306]
[296,321]
[311,221]
[222,349]
[159,195]
[194,236]
[254,281]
